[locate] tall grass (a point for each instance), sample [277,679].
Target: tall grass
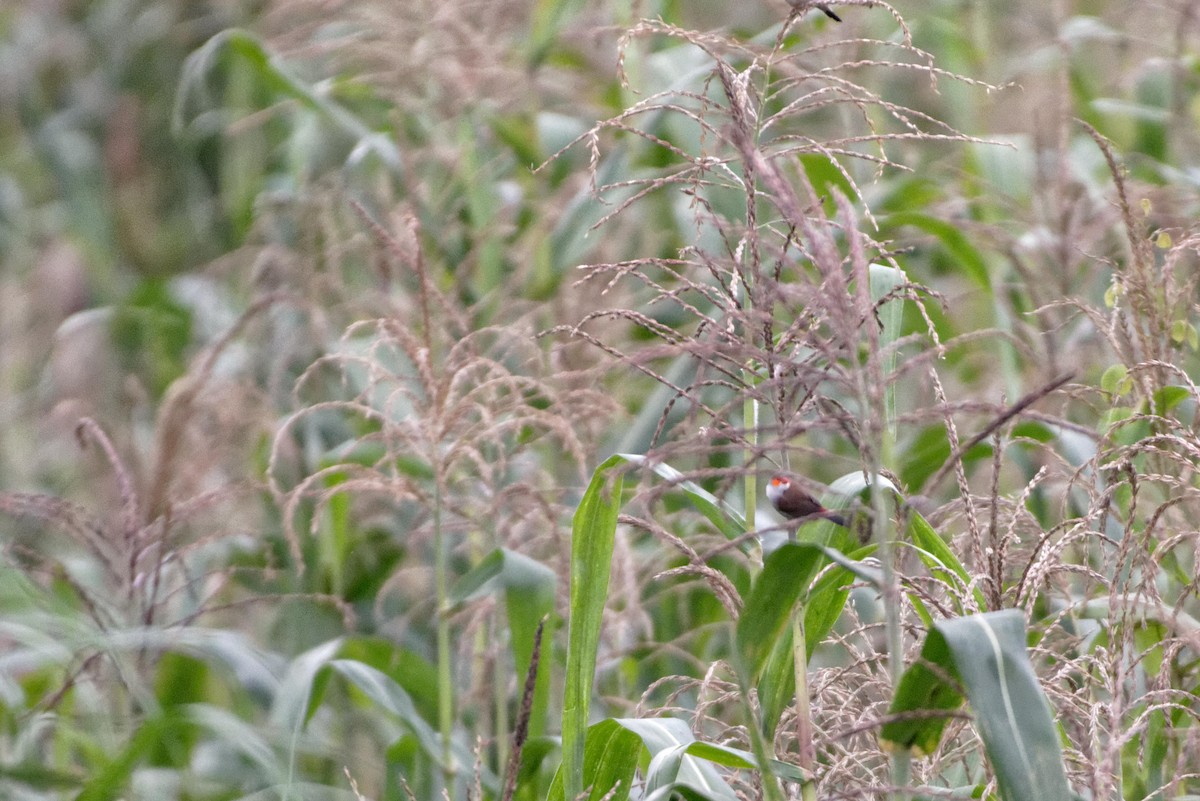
[420,446]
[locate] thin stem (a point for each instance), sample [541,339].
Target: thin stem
[807,753]
[763,751]
[750,423]
[901,760]
[445,683]
[501,702]
[879,427]
[762,754]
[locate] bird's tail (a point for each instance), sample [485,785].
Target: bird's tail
[836,519]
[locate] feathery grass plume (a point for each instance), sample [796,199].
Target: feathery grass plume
[168,547]
[768,306]
[1113,575]
[444,434]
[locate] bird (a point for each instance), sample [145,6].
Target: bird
[828,12]
[791,501]
[809,4]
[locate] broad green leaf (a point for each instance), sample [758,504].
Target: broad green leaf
[181,679]
[570,243]
[412,671]
[1115,380]
[1011,711]
[953,239]
[786,575]
[743,760]
[1155,745]
[823,173]
[827,599]
[55,638]
[300,690]
[608,765]
[1007,166]
[152,331]
[1167,398]
[828,596]
[592,535]
[727,520]
[922,452]
[985,655]
[275,75]
[19,595]
[723,755]
[673,736]
[528,587]
[252,669]
[1034,430]
[335,534]
[110,782]
[36,776]
[391,697]
[822,608]
[240,735]
[548,18]
[678,762]
[908,192]
[663,772]
[936,555]
[777,683]
[851,484]
[923,690]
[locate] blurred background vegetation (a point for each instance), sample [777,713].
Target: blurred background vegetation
[301,381]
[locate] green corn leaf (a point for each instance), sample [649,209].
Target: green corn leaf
[785,577]
[724,517]
[592,535]
[940,560]
[678,762]
[607,765]
[984,657]
[528,588]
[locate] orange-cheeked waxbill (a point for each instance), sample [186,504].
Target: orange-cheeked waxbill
[826,10]
[794,503]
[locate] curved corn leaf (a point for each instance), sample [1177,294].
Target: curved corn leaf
[956,243]
[936,555]
[592,534]
[669,741]
[785,577]
[678,762]
[985,658]
[823,606]
[528,588]
[607,765]
[727,520]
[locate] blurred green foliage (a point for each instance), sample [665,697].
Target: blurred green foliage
[311,546]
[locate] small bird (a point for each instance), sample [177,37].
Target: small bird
[809,4]
[794,503]
[828,12]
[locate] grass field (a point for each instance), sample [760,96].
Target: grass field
[388,393]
